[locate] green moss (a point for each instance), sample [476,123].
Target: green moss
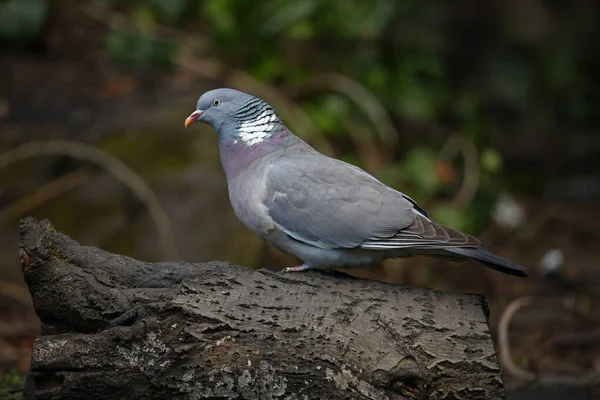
[50,228]
[57,252]
[8,383]
[60,255]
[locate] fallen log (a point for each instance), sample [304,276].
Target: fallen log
[114,327]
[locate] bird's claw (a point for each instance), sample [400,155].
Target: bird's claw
[296,268]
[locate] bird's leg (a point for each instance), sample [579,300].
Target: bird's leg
[297,268]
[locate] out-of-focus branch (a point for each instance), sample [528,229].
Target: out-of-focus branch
[112,165]
[45,193]
[506,357]
[120,21]
[363,98]
[457,144]
[504,343]
[370,154]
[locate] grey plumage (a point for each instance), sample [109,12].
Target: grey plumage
[328,213]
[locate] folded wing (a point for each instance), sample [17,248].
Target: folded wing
[332,204]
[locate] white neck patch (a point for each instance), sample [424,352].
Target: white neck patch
[256,130]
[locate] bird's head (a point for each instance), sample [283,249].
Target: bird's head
[235,115]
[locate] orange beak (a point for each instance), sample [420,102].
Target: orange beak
[193,117]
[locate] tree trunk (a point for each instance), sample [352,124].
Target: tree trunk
[117,328]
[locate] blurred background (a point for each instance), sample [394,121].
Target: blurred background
[487,113]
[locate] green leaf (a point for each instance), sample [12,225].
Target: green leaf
[445,214]
[134,49]
[170,10]
[336,105]
[491,160]
[421,86]
[8,382]
[328,113]
[419,168]
[392,175]
[288,15]
[376,77]
[466,106]
[302,30]
[144,19]
[414,103]
[267,68]
[22,19]
[351,159]
[221,15]
[374,23]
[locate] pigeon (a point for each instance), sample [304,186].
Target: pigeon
[328,213]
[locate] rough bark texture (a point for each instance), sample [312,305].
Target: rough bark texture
[114,327]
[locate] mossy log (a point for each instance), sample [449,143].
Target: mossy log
[117,328]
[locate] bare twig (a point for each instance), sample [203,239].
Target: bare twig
[363,98]
[371,155]
[506,357]
[45,193]
[109,163]
[458,144]
[122,22]
[503,341]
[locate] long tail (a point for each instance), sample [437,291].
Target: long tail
[490,260]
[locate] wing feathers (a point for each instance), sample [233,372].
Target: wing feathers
[331,204]
[424,234]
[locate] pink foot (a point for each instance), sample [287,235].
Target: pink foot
[296,268]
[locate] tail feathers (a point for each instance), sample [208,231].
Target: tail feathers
[490,260]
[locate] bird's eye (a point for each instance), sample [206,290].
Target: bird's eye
[216,102]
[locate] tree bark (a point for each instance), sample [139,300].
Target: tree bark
[114,327]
